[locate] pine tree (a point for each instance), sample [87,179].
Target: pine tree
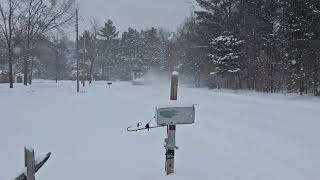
[227,56]
[300,27]
[131,50]
[154,50]
[109,31]
[108,49]
[258,24]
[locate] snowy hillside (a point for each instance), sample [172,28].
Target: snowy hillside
[246,136]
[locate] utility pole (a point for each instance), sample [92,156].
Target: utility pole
[77,49]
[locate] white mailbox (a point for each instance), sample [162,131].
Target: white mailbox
[175,113]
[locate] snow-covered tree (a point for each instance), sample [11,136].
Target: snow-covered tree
[300,24]
[227,55]
[108,49]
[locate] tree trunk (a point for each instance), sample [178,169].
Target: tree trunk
[240,81]
[26,63]
[31,73]
[272,89]
[103,72]
[83,78]
[10,66]
[108,74]
[25,73]
[91,71]
[57,66]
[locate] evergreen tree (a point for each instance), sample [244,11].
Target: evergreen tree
[109,31]
[227,56]
[108,49]
[301,31]
[154,51]
[131,50]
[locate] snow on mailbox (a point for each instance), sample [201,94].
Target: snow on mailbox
[175,113]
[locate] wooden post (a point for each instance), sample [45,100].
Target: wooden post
[38,166]
[171,129]
[30,163]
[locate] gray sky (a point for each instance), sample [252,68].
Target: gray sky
[135,13]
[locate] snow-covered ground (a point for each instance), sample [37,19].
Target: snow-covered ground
[237,136]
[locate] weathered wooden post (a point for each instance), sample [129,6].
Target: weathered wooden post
[30,163]
[171,129]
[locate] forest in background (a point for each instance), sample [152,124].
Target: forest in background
[268,45]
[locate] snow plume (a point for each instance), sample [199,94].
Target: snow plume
[163,78]
[156,77]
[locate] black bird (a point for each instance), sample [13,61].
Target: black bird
[147,126]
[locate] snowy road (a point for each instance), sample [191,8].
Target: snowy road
[246,136]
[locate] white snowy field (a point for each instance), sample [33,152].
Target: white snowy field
[246,136]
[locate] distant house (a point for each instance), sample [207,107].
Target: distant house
[4,77]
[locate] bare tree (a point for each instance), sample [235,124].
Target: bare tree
[41,17]
[9,18]
[95,30]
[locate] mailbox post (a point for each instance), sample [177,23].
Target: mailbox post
[170,115]
[171,129]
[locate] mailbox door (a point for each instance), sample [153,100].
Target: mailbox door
[175,115]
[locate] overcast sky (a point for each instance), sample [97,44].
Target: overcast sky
[136,13]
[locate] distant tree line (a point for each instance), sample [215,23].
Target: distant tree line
[267,45]
[105,55]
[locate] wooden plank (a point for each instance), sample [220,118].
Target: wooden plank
[170,149]
[30,163]
[174,87]
[38,165]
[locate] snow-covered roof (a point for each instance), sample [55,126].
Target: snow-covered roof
[3,72]
[175,73]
